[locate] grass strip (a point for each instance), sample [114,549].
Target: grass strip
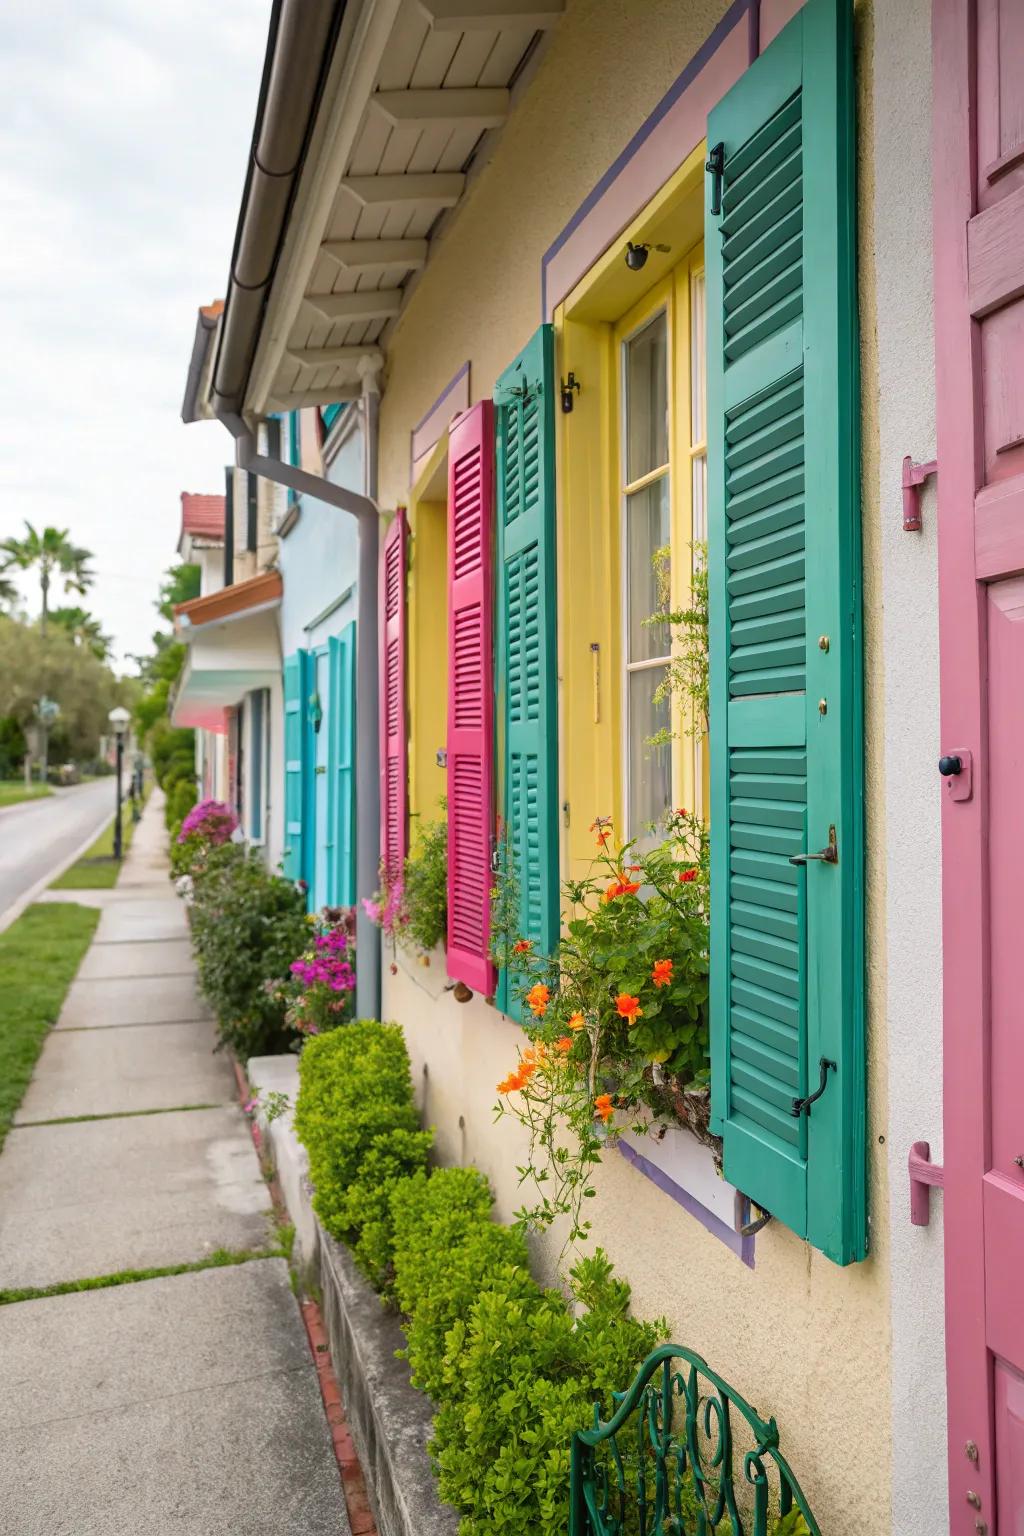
[97,869]
[39,955]
[14,791]
[220,1258]
[118,1114]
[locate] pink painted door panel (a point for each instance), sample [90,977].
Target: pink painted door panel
[978,57]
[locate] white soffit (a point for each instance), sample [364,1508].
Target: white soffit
[416,92]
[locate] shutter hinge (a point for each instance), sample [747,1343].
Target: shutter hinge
[715,167]
[803,1106]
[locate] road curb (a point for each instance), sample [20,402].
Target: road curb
[17,907]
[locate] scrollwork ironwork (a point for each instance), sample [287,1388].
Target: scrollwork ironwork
[666,1462]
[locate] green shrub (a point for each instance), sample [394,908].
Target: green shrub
[356,1117]
[248,925]
[511,1369]
[171,744]
[180,800]
[424,914]
[446,1249]
[521,1374]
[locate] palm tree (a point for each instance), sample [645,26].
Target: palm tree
[84,630]
[8,592]
[50,552]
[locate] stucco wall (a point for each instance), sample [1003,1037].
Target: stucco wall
[318,558]
[805,1340]
[910,851]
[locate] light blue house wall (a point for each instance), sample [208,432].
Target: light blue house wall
[318,561]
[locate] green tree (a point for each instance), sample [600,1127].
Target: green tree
[83,629]
[33,664]
[51,553]
[8,592]
[180,585]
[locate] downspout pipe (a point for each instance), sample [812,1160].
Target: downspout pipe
[367,514]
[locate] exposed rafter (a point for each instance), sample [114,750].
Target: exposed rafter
[317,357]
[492,15]
[297,399]
[479,108]
[376,255]
[441,189]
[380,304]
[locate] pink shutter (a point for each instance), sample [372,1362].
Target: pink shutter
[393,750]
[470,695]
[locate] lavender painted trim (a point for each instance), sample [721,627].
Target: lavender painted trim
[743,1247]
[453,382]
[671,96]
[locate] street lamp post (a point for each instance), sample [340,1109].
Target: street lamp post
[47,711]
[119,718]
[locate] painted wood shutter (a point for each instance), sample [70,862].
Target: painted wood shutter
[341,879]
[393,733]
[296,687]
[784,568]
[527,661]
[470,695]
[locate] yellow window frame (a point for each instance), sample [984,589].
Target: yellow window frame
[608,305]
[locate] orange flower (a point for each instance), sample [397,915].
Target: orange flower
[628,1007]
[662,973]
[576,1021]
[604,1107]
[621,888]
[688,874]
[602,825]
[564,1045]
[511,1083]
[537,1000]
[521,946]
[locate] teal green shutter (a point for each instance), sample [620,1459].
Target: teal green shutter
[296,771]
[784,567]
[524,401]
[341,768]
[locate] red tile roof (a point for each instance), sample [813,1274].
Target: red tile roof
[202,516]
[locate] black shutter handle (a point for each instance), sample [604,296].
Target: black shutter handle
[949,767]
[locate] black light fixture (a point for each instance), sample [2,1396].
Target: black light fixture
[567,387]
[636,254]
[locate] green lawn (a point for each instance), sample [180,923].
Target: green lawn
[39,955]
[12,791]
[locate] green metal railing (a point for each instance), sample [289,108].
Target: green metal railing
[676,1460]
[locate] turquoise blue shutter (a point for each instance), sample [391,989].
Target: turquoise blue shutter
[342,876]
[527,661]
[296,773]
[784,568]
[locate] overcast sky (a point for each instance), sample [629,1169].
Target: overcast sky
[124,132]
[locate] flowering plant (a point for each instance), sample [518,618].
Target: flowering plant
[210,824]
[210,820]
[618,1014]
[411,908]
[317,993]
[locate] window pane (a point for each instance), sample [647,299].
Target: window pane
[650,768]
[698,353]
[647,400]
[700,499]
[647,531]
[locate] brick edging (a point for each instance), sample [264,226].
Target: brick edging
[353,1483]
[360,1515]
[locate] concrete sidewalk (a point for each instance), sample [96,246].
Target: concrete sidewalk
[187,1403]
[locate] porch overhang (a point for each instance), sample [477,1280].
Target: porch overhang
[374,116]
[234,646]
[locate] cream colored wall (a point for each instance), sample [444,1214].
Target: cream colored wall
[803,1339]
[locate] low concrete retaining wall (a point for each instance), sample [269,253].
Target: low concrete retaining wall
[391,1423]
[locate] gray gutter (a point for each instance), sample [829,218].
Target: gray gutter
[206,325]
[299,49]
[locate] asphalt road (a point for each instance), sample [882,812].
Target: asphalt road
[38,835]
